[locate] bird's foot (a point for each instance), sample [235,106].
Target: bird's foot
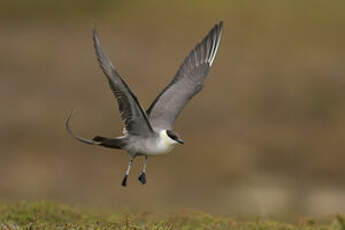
[124,181]
[142,178]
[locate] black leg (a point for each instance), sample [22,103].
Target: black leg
[142,178]
[124,181]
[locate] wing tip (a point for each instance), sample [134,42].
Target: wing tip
[94,28]
[221,23]
[103,61]
[216,35]
[95,39]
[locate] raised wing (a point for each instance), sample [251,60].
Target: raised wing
[132,114]
[187,82]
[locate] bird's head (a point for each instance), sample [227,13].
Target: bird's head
[173,137]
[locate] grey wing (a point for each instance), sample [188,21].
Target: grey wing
[187,82]
[132,114]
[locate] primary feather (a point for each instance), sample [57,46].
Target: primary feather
[132,114]
[187,82]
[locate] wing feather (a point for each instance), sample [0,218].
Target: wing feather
[187,82]
[132,114]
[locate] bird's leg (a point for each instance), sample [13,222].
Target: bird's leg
[142,177]
[124,181]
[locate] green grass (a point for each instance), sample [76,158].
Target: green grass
[48,215]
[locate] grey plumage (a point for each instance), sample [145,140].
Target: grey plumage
[187,82]
[150,133]
[132,113]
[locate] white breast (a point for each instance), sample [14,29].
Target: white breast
[153,146]
[165,144]
[162,145]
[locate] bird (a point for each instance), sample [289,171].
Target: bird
[150,133]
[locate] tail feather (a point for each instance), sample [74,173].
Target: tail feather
[116,143]
[99,138]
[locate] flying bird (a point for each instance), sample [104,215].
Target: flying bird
[150,133]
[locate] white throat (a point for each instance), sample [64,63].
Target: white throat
[163,144]
[165,139]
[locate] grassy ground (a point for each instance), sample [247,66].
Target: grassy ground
[47,215]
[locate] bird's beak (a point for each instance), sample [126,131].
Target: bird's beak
[180,141]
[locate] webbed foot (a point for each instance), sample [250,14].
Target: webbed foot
[124,181]
[142,178]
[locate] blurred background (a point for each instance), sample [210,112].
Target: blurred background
[265,136]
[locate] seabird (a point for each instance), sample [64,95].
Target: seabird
[150,133]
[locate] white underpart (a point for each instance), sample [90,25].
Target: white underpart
[152,146]
[163,144]
[165,139]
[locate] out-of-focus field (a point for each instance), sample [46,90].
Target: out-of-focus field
[265,136]
[47,215]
